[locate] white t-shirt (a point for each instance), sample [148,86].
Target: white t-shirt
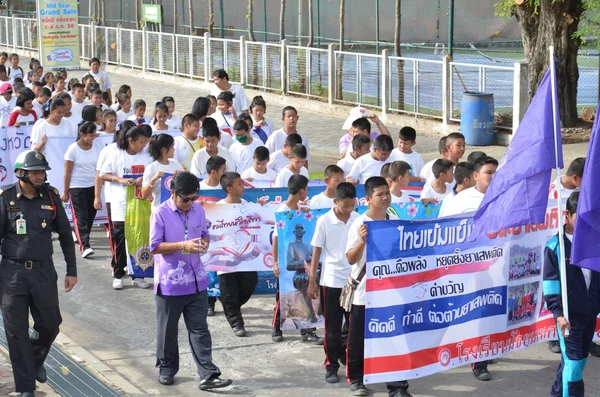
[14,73]
[198,166]
[174,122]
[38,108]
[282,208]
[353,239]
[270,175]
[122,116]
[77,108]
[268,127]
[102,79]
[6,108]
[74,119]
[331,234]
[564,192]
[226,140]
[285,174]
[154,168]
[240,101]
[143,120]
[365,167]
[185,150]
[427,172]
[30,119]
[465,202]
[346,164]
[400,199]
[120,163]
[225,121]
[415,160]
[446,203]
[321,201]
[242,154]
[429,193]
[278,161]
[104,154]
[222,201]
[64,128]
[204,186]
[277,140]
[84,164]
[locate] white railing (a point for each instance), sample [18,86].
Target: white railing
[421,87]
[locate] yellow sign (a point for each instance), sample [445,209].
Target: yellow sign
[58,33]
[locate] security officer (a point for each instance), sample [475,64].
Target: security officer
[29,212]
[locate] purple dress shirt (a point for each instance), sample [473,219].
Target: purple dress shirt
[178,273]
[346,141]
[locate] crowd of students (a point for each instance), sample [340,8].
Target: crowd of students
[224,141]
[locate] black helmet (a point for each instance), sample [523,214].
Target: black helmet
[31,161]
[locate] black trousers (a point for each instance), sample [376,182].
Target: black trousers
[236,289]
[356,351]
[82,205]
[25,290]
[168,312]
[119,259]
[336,330]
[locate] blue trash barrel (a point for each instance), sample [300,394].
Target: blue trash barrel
[477,118]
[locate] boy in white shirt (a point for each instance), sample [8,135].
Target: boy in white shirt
[370,165]
[426,173]
[290,123]
[443,172]
[243,148]
[78,102]
[281,158]
[406,140]
[212,148]
[222,84]
[14,70]
[260,171]
[455,149]
[463,176]
[7,103]
[378,196]
[295,167]
[329,242]
[100,76]
[569,182]
[361,145]
[97,99]
[397,175]
[215,166]
[333,176]
[189,142]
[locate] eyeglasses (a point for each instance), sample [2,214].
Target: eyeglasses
[186,200]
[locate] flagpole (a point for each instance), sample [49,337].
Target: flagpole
[561,232]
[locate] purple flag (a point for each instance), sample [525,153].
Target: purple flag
[518,193]
[585,251]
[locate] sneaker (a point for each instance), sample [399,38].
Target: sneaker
[118,283]
[401,393]
[482,374]
[211,311]
[358,389]
[87,253]
[554,346]
[594,350]
[331,376]
[239,331]
[312,337]
[277,336]
[140,283]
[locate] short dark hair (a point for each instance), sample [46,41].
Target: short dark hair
[63,95]
[299,151]
[363,124]
[293,140]
[463,170]
[331,170]
[188,119]
[576,167]
[184,182]
[345,190]
[201,106]
[297,183]
[77,86]
[245,118]
[97,92]
[45,91]
[441,165]
[398,168]
[454,136]
[442,144]
[240,125]
[385,170]
[476,155]
[221,74]
[373,183]
[484,161]
[572,202]
[214,163]
[211,131]
[288,108]
[261,153]
[37,84]
[228,178]
[384,143]
[94,59]
[209,122]
[226,96]
[407,134]
[359,141]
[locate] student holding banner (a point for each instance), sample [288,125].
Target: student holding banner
[161,148]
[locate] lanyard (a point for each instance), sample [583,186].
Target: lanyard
[190,143]
[225,118]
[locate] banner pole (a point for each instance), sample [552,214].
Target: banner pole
[561,233]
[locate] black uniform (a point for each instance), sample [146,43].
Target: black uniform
[28,278]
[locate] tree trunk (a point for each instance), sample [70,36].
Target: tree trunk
[250,17]
[340,61]
[211,16]
[553,24]
[310,24]
[191,11]
[282,21]
[397,52]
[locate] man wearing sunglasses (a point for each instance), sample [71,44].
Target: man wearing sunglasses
[178,237]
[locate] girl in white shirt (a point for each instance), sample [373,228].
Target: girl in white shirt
[79,179]
[125,167]
[124,90]
[124,110]
[161,114]
[225,114]
[109,122]
[52,125]
[263,127]
[24,115]
[173,120]
[162,149]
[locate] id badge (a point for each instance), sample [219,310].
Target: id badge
[21,226]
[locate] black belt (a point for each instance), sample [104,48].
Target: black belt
[30,264]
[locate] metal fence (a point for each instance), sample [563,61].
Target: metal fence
[263,65]
[358,78]
[307,71]
[225,54]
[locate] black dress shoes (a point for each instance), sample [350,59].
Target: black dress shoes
[214,382]
[166,380]
[40,375]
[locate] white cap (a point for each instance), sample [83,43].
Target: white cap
[355,114]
